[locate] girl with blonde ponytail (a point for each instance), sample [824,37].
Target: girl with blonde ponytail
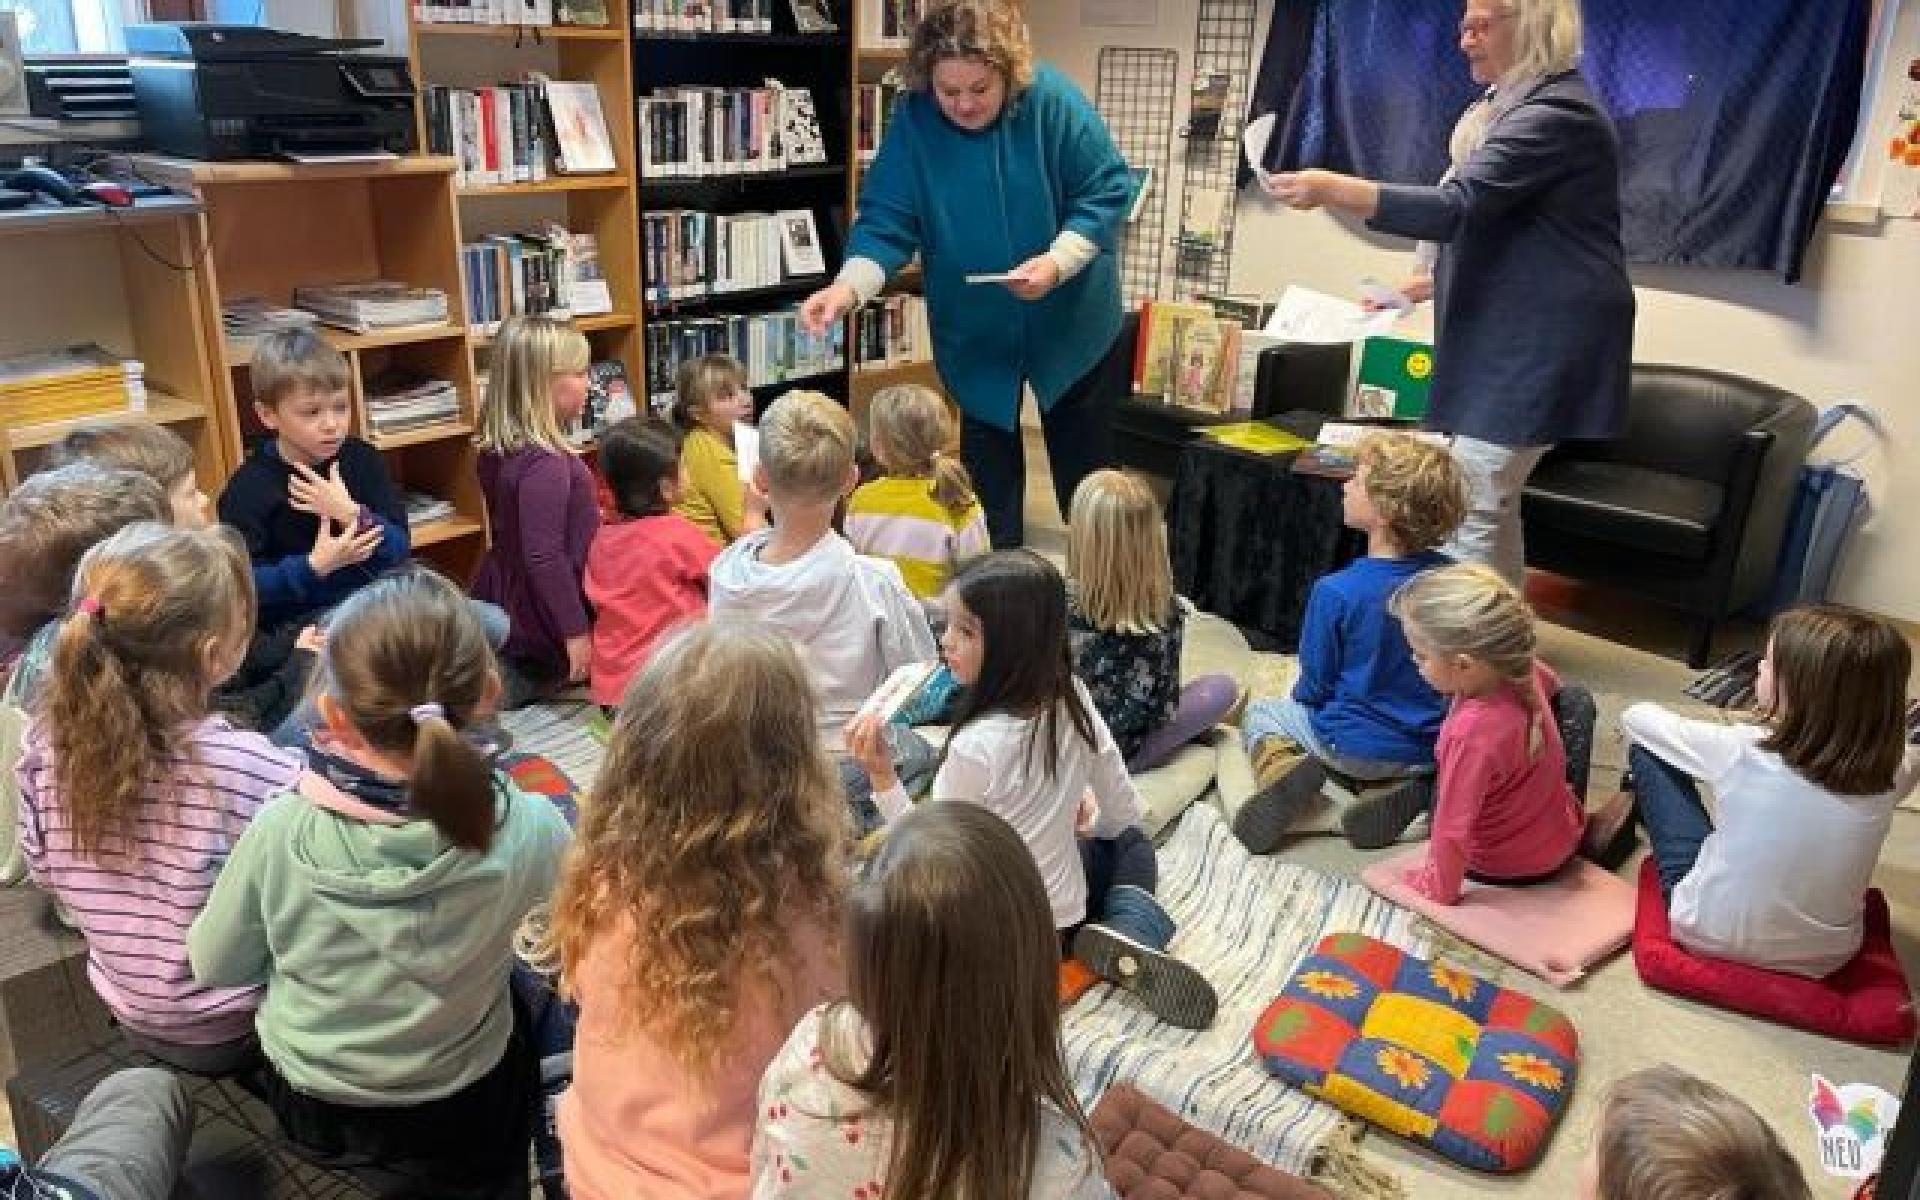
[1503,811]
[377,904]
[132,794]
[922,513]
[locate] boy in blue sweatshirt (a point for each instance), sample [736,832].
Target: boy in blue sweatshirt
[1359,705]
[320,515]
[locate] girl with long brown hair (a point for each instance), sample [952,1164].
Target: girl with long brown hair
[699,913]
[941,1074]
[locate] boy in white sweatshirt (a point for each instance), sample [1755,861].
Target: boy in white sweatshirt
[851,617]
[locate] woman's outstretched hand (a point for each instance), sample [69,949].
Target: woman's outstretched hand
[826,306]
[1035,277]
[1303,190]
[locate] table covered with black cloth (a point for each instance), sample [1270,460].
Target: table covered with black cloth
[1248,536]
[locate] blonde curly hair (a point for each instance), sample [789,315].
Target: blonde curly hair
[988,31]
[716,825]
[1416,488]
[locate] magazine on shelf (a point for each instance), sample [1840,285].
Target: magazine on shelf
[581,143]
[581,12]
[380,304]
[800,242]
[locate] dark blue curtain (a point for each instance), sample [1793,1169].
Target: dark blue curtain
[1735,116]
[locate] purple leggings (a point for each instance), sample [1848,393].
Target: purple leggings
[1202,703]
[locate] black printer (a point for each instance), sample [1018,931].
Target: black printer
[239,91]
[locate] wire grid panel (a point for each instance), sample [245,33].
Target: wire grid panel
[1223,45]
[1134,93]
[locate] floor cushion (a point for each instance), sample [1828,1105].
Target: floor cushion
[1478,1073]
[1150,1154]
[1555,930]
[1865,1001]
[1169,789]
[538,775]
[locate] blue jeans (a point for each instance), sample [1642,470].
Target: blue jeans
[1288,718]
[1121,874]
[1668,803]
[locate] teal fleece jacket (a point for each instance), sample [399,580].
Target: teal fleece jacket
[385,951]
[987,201]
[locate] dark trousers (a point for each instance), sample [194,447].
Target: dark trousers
[1667,801]
[1079,433]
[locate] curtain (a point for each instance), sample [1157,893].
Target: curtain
[1735,116]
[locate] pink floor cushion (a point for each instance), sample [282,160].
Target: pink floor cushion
[1555,930]
[1478,1073]
[1865,1001]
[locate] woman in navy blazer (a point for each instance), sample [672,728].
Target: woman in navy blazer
[1533,311]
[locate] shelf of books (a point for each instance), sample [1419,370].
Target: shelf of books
[533,101]
[741,119]
[370,257]
[122,338]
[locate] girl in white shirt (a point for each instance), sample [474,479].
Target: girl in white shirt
[941,1073]
[1777,877]
[1028,744]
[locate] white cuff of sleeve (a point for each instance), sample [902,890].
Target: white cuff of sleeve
[1071,252]
[864,276]
[1426,255]
[892,802]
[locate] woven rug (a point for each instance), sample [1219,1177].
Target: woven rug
[1244,923]
[563,731]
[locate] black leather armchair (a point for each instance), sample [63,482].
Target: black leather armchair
[1688,506]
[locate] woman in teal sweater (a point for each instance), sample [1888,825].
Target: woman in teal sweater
[990,165]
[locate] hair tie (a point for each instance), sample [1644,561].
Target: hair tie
[91,606]
[422,713]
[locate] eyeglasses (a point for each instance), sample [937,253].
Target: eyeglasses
[1479,26]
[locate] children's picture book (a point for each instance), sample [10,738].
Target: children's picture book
[746,449]
[1250,311]
[1204,351]
[1160,322]
[800,129]
[899,689]
[1204,227]
[580,139]
[609,397]
[1142,178]
[800,243]
[1256,437]
[1209,104]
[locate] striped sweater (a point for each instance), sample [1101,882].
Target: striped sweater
[135,916]
[897,517]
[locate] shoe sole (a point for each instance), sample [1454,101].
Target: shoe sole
[1376,822]
[1167,987]
[1275,809]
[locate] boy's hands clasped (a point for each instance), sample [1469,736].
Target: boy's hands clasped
[326,496]
[331,550]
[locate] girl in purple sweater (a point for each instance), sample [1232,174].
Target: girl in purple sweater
[541,507]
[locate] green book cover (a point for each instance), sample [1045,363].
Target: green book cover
[1394,378]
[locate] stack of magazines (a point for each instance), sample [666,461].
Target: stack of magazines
[251,317]
[397,403]
[423,509]
[364,307]
[47,385]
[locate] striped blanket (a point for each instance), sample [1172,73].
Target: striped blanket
[560,730]
[1244,923]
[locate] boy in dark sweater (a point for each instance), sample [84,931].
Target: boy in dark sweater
[1359,704]
[320,515]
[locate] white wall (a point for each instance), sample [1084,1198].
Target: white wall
[1849,329]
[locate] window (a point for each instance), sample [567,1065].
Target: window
[73,26]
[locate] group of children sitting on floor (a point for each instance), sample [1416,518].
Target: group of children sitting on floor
[338,917]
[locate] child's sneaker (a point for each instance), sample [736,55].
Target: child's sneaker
[1610,836]
[1290,781]
[1376,820]
[1169,988]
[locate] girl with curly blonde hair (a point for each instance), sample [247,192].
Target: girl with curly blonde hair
[696,919]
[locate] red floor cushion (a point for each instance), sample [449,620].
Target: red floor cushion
[1476,1072]
[1865,1001]
[1150,1154]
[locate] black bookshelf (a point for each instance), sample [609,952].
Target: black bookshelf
[790,291]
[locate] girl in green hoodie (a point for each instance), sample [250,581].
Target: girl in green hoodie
[377,903]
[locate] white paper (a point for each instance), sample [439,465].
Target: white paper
[1254,141]
[746,449]
[1304,315]
[1119,12]
[1341,434]
[992,277]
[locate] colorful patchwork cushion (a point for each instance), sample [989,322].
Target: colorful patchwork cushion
[1867,1000]
[1422,1049]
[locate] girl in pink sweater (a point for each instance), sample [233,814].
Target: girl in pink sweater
[698,916]
[1503,811]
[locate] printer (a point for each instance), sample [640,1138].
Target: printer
[214,91]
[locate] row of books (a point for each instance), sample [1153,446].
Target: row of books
[513,12]
[74,381]
[380,304]
[704,16]
[873,108]
[727,131]
[1202,354]
[772,346]
[690,254]
[889,24]
[519,132]
[892,331]
[398,402]
[550,273]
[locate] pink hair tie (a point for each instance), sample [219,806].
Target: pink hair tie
[91,606]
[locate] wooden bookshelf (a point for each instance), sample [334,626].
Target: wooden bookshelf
[273,227]
[129,280]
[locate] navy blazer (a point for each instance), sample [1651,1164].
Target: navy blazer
[1533,310]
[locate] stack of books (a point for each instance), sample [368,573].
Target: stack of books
[772,346]
[401,402]
[513,12]
[873,108]
[702,16]
[249,317]
[690,254]
[695,131]
[77,381]
[365,307]
[423,509]
[552,273]
[892,331]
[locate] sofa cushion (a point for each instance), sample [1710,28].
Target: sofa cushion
[1476,1072]
[1150,1154]
[1628,506]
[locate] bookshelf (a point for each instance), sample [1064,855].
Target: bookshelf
[128,280]
[274,226]
[680,318]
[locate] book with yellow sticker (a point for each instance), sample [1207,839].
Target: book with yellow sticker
[1394,378]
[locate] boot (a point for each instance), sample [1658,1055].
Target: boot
[1376,820]
[1610,837]
[1290,780]
[1127,948]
